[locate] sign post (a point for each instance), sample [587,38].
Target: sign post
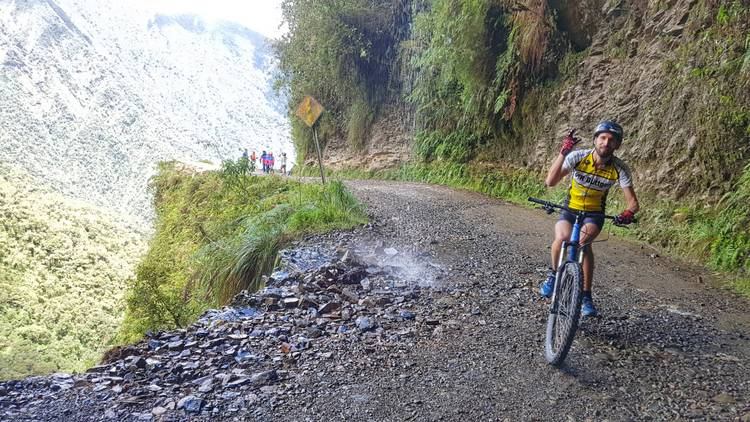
[309,110]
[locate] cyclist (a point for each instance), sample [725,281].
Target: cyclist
[594,172]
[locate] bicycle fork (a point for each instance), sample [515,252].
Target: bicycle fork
[575,254]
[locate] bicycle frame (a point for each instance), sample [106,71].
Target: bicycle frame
[575,253]
[573,244]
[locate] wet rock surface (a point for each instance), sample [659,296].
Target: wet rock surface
[430,312]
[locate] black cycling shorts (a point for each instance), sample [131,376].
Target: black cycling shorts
[597,220]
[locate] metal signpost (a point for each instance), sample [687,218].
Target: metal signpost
[309,110]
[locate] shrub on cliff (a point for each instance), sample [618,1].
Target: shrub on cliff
[216,234]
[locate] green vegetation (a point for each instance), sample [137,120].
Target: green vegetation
[463,68]
[473,60]
[466,53]
[340,52]
[216,234]
[63,269]
[453,147]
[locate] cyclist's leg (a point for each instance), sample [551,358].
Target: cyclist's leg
[563,229]
[589,232]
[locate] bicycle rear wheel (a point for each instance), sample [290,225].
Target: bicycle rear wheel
[564,314]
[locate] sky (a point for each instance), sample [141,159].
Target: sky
[263,16]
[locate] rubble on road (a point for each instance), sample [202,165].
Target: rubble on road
[254,350]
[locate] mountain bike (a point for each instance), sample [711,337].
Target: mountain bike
[565,307]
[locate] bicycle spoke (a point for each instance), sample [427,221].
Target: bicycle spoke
[561,314]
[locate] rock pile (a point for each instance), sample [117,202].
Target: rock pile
[244,359]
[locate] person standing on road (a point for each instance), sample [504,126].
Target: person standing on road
[283,163]
[264,161]
[594,172]
[270,162]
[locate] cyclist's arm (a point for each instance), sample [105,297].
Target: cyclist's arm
[630,198]
[626,183]
[556,172]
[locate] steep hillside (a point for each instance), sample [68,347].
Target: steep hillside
[513,77]
[63,271]
[93,94]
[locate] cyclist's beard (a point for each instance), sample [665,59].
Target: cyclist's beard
[604,153]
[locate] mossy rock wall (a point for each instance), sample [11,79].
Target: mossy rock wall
[677,77]
[675,73]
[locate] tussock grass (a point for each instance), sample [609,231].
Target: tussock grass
[360,118]
[217,233]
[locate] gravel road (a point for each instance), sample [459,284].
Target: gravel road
[468,345]
[665,347]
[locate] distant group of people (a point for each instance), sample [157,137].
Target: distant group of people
[267,161]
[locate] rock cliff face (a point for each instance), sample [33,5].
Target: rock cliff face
[93,94]
[669,72]
[388,145]
[675,73]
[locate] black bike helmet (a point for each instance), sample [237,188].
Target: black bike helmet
[609,126]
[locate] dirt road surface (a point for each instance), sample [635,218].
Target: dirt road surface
[668,345]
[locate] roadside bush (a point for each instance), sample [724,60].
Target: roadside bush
[454,147]
[234,173]
[217,234]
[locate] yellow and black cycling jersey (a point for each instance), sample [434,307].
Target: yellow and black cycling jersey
[589,185]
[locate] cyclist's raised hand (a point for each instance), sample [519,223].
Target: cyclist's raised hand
[569,142]
[625,217]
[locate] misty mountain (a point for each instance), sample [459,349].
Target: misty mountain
[93,94]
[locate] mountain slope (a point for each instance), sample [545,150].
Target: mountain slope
[63,271]
[93,94]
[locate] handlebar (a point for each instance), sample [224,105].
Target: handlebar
[550,206]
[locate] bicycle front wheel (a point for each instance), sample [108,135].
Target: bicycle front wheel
[564,314]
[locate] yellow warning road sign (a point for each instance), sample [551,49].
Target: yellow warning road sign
[309,110]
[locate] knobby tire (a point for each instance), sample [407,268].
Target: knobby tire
[565,312]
